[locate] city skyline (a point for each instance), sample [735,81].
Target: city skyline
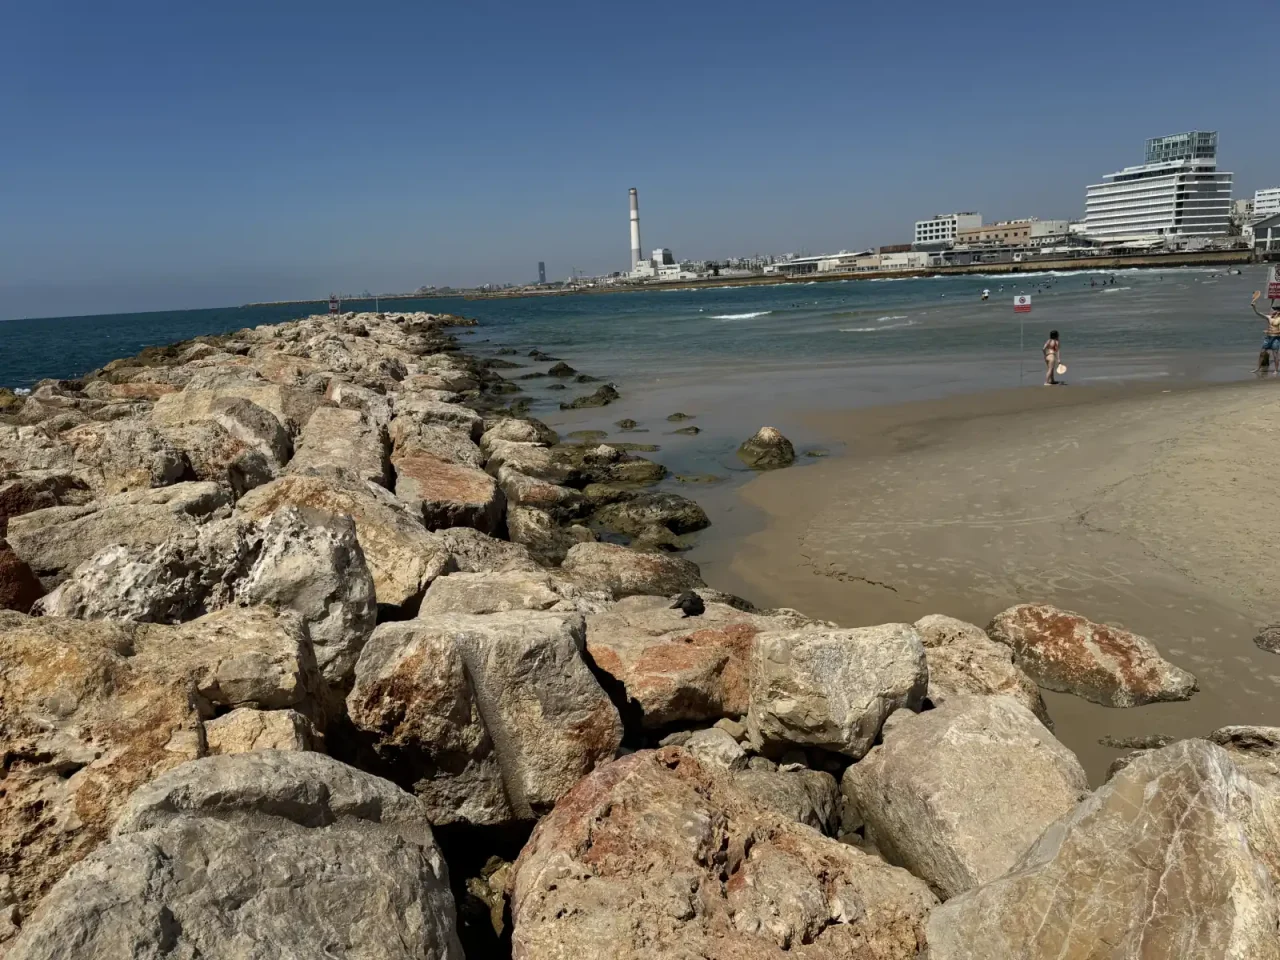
[204,159]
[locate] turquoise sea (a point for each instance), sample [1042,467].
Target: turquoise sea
[1182,323]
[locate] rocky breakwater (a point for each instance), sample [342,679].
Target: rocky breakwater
[315,649]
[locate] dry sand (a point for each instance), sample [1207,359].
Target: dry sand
[1154,508]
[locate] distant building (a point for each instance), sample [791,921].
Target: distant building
[942,228]
[542,272]
[663,256]
[1265,203]
[1178,192]
[1266,236]
[1007,232]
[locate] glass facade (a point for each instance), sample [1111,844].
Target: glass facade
[1196,145]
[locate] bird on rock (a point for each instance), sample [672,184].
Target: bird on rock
[690,603]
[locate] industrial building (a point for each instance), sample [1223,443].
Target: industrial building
[941,229]
[1178,192]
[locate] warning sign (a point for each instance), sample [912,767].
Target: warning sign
[1273,282]
[1022,304]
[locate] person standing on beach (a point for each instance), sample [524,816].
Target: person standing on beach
[1271,339]
[1052,354]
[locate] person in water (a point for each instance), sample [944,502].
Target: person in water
[1271,339]
[1052,357]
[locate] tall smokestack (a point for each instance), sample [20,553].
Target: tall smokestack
[635,229]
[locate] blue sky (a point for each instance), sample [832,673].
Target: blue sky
[162,155]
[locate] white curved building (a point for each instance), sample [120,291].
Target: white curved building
[1178,192]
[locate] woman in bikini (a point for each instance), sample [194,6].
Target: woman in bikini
[1052,357]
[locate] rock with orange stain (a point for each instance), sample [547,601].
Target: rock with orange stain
[490,718]
[658,855]
[1069,653]
[678,669]
[628,573]
[91,710]
[447,494]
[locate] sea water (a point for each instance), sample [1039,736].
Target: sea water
[917,334]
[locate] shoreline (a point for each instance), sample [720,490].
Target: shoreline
[1131,505]
[1073,265]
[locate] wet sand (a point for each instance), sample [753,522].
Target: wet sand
[1153,507]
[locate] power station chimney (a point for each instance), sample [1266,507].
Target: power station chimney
[635,230]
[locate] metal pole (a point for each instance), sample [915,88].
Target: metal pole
[1022,340]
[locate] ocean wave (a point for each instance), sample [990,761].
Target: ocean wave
[1115,289]
[887,326]
[741,316]
[887,319]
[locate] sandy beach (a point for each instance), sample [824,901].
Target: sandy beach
[1148,506]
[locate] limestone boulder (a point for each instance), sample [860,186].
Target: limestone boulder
[343,443]
[626,572]
[502,592]
[215,454]
[447,494]
[545,539]
[517,431]
[715,748]
[811,797]
[1254,750]
[833,689]
[376,406]
[768,449]
[300,560]
[657,855]
[1066,652]
[563,503]
[959,793]
[402,556]
[1175,856]
[263,854]
[89,711]
[677,669]
[35,490]
[476,552]
[531,460]
[207,395]
[450,444]
[56,540]
[498,711]
[963,659]
[246,729]
[418,411]
[110,457]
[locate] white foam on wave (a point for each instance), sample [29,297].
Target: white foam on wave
[888,319]
[887,326]
[741,316]
[1115,289]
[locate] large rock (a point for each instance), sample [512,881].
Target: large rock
[413,412]
[344,443]
[1176,856]
[531,460]
[490,717]
[19,587]
[963,659]
[291,406]
[626,572]
[959,793]
[402,556]
[124,455]
[811,797]
[36,490]
[768,449]
[300,560]
[476,552]
[215,454]
[563,503]
[517,431]
[678,669]
[450,444]
[90,710]
[656,855]
[447,494]
[501,592]
[1066,652]
[833,689]
[245,729]
[639,514]
[257,855]
[544,538]
[56,540]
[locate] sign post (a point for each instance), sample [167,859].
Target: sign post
[1273,282]
[1022,304]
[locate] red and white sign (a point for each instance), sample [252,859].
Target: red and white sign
[1022,304]
[1273,282]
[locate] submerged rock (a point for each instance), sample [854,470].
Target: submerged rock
[767,450]
[1066,652]
[1268,638]
[268,853]
[658,855]
[602,397]
[636,515]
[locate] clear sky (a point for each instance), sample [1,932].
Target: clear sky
[164,155]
